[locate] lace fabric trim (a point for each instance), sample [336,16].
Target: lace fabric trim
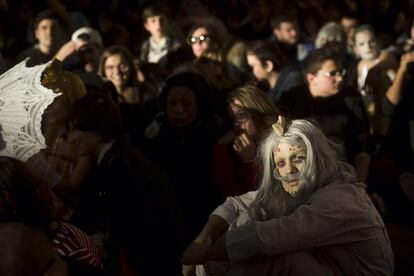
[23,100]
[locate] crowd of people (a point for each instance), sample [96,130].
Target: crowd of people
[295,118]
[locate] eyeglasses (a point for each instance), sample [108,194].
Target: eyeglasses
[334,73]
[121,67]
[242,116]
[201,38]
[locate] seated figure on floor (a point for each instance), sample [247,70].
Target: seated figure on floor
[309,210]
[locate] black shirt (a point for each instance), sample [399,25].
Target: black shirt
[341,117]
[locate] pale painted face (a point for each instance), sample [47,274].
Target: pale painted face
[200,40]
[287,33]
[117,71]
[366,45]
[289,160]
[155,26]
[181,107]
[243,121]
[327,81]
[260,72]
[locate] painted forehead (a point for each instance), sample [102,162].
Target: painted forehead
[291,148]
[364,34]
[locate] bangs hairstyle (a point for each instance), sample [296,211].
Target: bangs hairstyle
[323,165]
[363,28]
[314,61]
[215,41]
[282,17]
[267,51]
[152,10]
[263,111]
[126,55]
[98,114]
[46,14]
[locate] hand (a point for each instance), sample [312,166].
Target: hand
[66,50]
[196,253]
[405,59]
[189,270]
[245,146]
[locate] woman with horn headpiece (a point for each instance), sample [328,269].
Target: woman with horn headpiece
[309,216]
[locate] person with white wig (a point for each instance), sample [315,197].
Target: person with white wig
[309,216]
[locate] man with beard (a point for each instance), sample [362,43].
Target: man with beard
[286,33]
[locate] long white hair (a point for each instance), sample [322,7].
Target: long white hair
[322,166]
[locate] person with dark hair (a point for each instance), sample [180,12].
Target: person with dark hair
[309,216]
[349,22]
[117,65]
[137,100]
[207,41]
[181,140]
[287,34]
[159,46]
[203,36]
[48,30]
[338,110]
[124,183]
[268,64]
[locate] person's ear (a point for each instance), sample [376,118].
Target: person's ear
[310,77]
[36,33]
[269,66]
[146,25]
[276,32]
[355,49]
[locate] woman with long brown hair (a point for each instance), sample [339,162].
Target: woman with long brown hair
[234,155]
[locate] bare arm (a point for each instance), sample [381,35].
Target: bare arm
[202,249]
[66,50]
[394,91]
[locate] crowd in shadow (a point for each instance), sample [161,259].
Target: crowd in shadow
[164,113]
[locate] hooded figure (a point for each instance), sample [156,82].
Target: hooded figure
[182,138]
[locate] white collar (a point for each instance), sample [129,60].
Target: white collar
[104,150]
[157,45]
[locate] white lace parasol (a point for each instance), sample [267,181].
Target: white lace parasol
[23,99]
